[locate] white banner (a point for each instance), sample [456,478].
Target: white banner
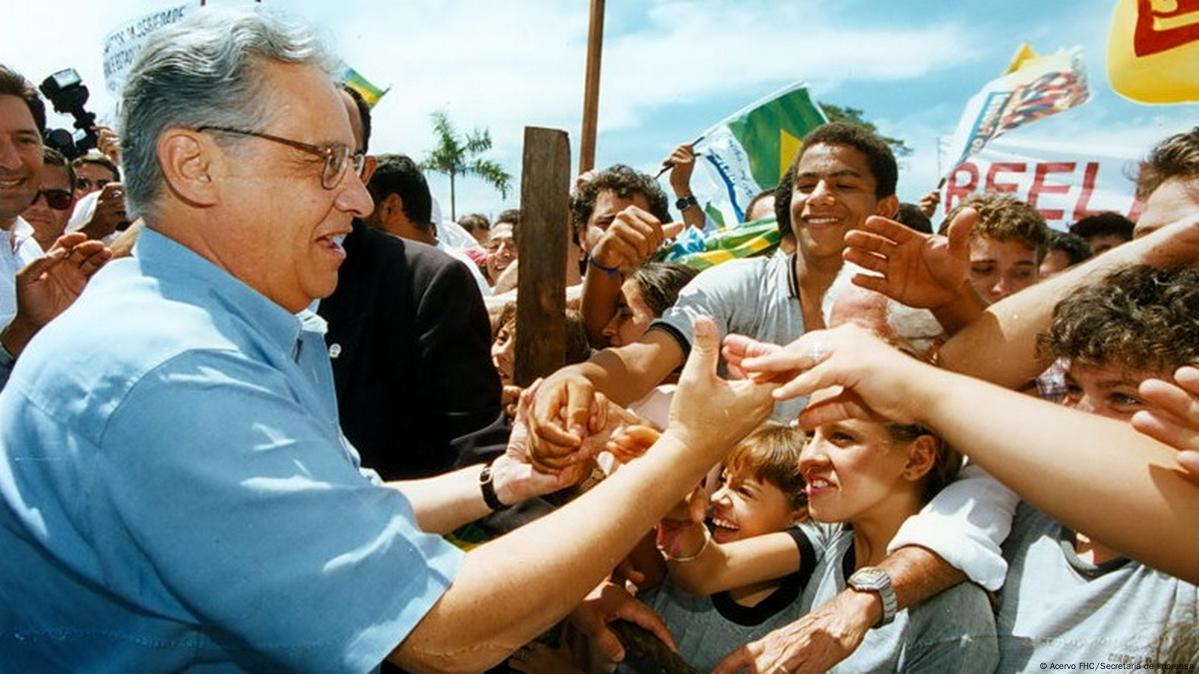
[1064,182]
[122,45]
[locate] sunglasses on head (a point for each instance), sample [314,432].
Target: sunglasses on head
[59,200]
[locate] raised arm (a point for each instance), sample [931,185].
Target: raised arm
[509,590]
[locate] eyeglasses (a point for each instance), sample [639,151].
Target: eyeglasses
[59,200]
[334,154]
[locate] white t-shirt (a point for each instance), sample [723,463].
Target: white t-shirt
[17,249]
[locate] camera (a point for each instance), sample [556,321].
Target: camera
[66,91]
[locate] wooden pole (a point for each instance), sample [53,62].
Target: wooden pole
[595,48]
[541,249]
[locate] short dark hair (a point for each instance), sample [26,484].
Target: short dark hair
[879,158]
[1176,156]
[1074,246]
[625,181]
[398,174]
[758,197]
[914,218]
[1100,224]
[1005,218]
[364,114]
[474,221]
[13,83]
[1139,318]
[52,157]
[660,283]
[98,160]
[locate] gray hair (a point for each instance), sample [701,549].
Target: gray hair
[202,72]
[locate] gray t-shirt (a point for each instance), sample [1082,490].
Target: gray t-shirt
[709,628]
[757,297]
[1058,609]
[952,632]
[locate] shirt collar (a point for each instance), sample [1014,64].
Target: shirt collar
[205,284]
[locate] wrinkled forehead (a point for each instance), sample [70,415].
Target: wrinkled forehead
[15,115]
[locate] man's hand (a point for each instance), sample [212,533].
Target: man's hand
[925,271]
[709,412]
[609,602]
[929,203]
[513,473]
[109,213]
[49,284]
[632,238]
[875,379]
[561,412]
[682,164]
[1174,416]
[109,143]
[814,643]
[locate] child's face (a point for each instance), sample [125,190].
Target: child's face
[746,506]
[999,268]
[851,468]
[503,352]
[1109,391]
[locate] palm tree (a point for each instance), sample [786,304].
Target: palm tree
[455,156]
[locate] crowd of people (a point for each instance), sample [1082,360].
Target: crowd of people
[260,408]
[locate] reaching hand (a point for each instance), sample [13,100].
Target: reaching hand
[1174,416]
[709,412]
[814,643]
[609,602]
[515,477]
[925,271]
[562,410]
[876,380]
[49,284]
[632,238]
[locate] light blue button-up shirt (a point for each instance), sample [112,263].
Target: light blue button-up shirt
[176,493]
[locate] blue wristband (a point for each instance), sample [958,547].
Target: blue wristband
[610,271]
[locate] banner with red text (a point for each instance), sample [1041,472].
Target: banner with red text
[1064,181]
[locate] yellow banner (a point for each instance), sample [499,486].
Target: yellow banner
[1153,50]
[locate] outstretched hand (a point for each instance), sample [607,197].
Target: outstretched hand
[872,380]
[49,284]
[609,602]
[926,271]
[515,476]
[710,412]
[1174,416]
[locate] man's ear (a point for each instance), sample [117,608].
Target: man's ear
[922,456]
[388,207]
[888,206]
[190,161]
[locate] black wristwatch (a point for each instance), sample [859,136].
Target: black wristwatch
[874,579]
[686,202]
[488,488]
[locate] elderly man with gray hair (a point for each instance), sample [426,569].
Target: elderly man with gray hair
[175,491]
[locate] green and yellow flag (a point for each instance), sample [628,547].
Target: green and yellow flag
[370,93]
[750,150]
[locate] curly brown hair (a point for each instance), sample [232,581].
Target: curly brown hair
[1176,156]
[1006,218]
[625,181]
[1139,318]
[771,454]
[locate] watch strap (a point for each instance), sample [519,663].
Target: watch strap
[487,486]
[874,579]
[686,202]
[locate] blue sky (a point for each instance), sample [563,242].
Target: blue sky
[671,68]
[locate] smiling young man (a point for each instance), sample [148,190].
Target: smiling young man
[842,175]
[22,117]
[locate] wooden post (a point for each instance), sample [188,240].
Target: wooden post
[541,246]
[595,49]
